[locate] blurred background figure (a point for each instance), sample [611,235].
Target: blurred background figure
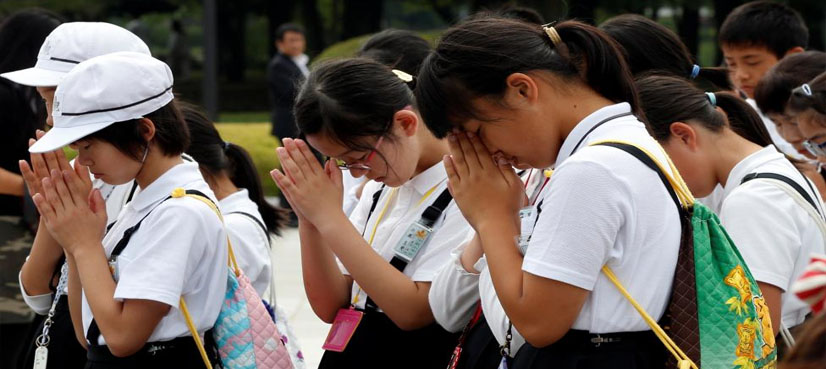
[285,73]
[179,59]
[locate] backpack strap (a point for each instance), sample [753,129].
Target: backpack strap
[254,219]
[684,200]
[788,181]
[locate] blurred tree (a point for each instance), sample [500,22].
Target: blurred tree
[361,17]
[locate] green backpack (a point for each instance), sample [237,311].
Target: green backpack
[717,316]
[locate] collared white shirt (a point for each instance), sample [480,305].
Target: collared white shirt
[605,207]
[301,62]
[180,249]
[773,233]
[250,242]
[351,185]
[405,207]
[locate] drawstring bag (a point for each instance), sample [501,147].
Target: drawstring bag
[244,333]
[717,314]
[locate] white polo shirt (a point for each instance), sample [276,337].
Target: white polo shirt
[250,242]
[180,249]
[604,206]
[404,208]
[773,233]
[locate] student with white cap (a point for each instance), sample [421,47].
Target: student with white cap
[64,48]
[118,112]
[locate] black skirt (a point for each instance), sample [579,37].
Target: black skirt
[379,343]
[481,350]
[179,353]
[582,350]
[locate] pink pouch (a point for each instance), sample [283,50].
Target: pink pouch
[347,320]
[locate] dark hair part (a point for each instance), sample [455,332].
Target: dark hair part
[668,99]
[349,100]
[774,89]
[800,101]
[22,34]
[171,134]
[808,352]
[650,46]
[397,49]
[287,27]
[215,156]
[522,13]
[474,58]
[763,23]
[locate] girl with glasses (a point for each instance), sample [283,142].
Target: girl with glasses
[809,102]
[369,275]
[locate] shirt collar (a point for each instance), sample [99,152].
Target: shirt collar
[748,166]
[238,201]
[177,176]
[429,178]
[585,126]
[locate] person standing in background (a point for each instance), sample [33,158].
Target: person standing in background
[285,72]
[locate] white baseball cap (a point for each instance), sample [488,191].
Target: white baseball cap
[104,90]
[71,43]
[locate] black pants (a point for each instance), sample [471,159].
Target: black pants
[576,350]
[64,350]
[481,350]
[379,343]
[180,353]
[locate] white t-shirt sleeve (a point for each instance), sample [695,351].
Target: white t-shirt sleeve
[770,252]
[40,304]
[454,293]
[495,314]
[170,253]
[583,212]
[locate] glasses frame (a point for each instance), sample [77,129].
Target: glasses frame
[815,149]
[364,164]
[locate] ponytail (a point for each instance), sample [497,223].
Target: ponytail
[214,156]
[244,175]
[650,46]
[474,58]
[668,99]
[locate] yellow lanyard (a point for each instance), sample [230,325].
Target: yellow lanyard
[381,216]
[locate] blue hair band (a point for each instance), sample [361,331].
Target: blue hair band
[695,71]
[712,98]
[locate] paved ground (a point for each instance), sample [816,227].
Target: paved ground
[311,331]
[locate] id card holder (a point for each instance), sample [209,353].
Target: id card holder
[113,268]
[527,221]
[413,241]
[344,326]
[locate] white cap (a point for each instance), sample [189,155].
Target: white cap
[71,43]
[104,90]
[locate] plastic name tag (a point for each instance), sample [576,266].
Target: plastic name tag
[41,356]
[412,241]
[344,326]
[527,219]
[503,364]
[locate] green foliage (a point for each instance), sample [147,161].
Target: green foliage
[348,48]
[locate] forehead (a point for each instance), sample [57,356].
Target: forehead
[293,35]
[745,51]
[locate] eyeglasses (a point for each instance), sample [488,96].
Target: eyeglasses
[815,149]
[364,163]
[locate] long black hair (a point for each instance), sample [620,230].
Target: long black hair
[351,100]
[397,49]
[21,35]
[474,58]
[214,156]
[650,46]
[774,89]
[668,99]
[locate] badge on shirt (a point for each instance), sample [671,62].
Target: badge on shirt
[113,268]
[413,241]
[527,220]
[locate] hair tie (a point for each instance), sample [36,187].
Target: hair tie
[806,89]
[407,78]
[695,71]
[712,98]
[226,144]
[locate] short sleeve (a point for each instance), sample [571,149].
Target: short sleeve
[454,292]
[164,253]
[582,214]
[40,304]
[452,232]
[768,243]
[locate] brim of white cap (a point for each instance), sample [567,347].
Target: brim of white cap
[35,77]
[58,137]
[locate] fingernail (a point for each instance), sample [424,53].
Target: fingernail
[452,137]
[501,161]
[471,134]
